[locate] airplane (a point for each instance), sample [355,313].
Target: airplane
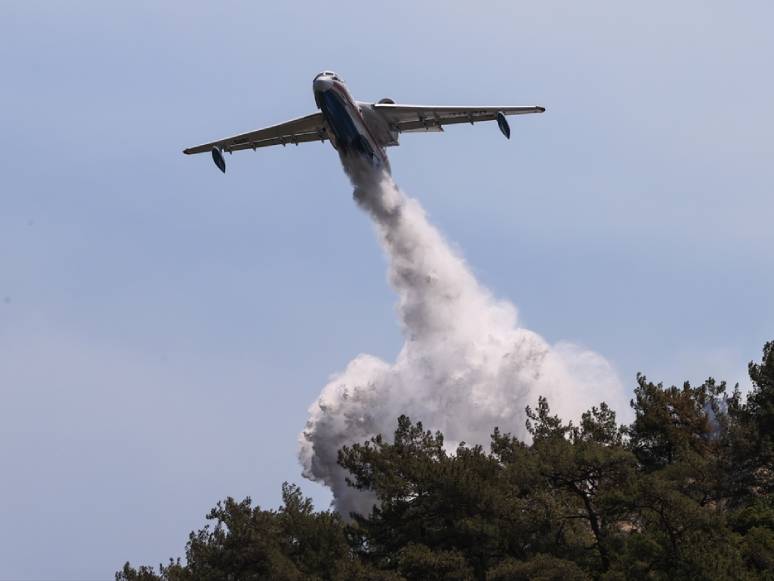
[359,131]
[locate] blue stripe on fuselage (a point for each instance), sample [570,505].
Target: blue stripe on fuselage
[347,138]
[338,118]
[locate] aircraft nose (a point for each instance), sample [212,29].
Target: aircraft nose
[322,84]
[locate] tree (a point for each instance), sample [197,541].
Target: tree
[444,503]
[752,435]
[294,542]
[672,422]
[587,469]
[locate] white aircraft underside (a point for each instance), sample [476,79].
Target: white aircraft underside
[358,131]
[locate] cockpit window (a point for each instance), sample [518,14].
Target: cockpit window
[330,74]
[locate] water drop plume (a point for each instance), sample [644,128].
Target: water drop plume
[466,365]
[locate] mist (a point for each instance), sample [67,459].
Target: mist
[466,365]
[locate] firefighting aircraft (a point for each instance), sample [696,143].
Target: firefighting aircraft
[358,131]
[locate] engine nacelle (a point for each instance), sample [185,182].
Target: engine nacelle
[217,157]
[387,101]
[502,123]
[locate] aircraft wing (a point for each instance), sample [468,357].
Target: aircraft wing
[405,118]
[300,130]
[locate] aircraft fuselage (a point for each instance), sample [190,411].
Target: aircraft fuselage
[357,140]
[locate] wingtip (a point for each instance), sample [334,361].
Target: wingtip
[187,151]
[541,109]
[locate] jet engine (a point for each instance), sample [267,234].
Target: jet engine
[502,123]
[217,157]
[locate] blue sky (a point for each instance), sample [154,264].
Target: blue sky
[163,328]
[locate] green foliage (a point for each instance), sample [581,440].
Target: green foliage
[671,423]
[246,543]
[421,563]
[758,550]
[539,568]
[681,493]
[752,434]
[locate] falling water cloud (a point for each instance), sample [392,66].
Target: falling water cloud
[466,364]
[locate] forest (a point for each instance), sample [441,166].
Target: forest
[682,492]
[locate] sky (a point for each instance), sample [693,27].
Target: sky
[164,328]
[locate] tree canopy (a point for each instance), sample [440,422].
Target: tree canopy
[680,493]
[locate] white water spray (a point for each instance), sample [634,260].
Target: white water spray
[466,365]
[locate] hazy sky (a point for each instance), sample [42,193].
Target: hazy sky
[163,328]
